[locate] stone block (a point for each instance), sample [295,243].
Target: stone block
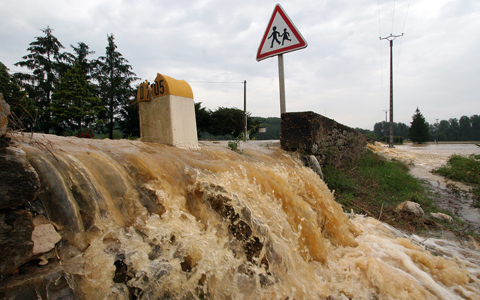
[167,113]
[314,134]
[19,182]
[16,246]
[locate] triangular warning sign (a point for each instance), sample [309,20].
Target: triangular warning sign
[281,36]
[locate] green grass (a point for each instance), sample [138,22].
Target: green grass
[374,181]
[465,169]
[374,186]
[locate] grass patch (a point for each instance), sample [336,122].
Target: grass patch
[375,186]
[465,169]
[376,180]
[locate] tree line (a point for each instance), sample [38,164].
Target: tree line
[73,94]
[224,123]
[69,92]
[463,129]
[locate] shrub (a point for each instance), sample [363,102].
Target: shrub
[85,133]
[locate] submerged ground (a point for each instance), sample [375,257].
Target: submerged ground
[450,196]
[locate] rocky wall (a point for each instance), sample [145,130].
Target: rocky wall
[29,265]
[313,134]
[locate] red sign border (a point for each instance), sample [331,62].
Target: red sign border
[303,44]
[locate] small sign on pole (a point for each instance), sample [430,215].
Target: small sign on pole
[281,36]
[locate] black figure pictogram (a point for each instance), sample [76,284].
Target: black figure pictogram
[285,36]
[275,34]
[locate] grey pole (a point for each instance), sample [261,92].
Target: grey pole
[245,107]
[390,145]
[390,38]
[281,77]
[385,126]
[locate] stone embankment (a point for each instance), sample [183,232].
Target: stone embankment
[27,238]
[328,141]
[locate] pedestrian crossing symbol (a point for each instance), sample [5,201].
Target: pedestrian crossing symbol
[281,36]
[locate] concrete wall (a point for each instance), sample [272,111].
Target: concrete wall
[313,134]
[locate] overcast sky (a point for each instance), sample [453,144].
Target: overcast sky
[342,74]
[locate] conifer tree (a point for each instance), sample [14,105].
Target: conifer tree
[82,51]
[75,105]
[115,78]
[47,64]
[419,129]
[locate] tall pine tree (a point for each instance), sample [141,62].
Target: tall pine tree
[75,105]
[82,51]
[48,64]
[115,78]
[419,129]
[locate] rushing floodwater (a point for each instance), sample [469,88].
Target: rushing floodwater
[434,155]
[160,222]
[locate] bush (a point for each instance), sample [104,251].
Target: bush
[85,133]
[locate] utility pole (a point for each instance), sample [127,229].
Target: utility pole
[245,107]
[385,125]
[438,125]
[390,38]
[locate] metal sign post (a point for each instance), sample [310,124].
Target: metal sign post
[281,36]
[245,108]
[281,78]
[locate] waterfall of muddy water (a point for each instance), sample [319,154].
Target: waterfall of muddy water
[160,222]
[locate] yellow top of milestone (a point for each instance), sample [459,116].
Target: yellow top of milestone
[164,85]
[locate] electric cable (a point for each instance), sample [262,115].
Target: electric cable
[381,52]
[213,81]
[393,15]
[401,40]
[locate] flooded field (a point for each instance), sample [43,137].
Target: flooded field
[423,159]
[434,155]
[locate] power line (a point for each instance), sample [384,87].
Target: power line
[214,81]
[393,16]
[381,51]
[401,41]
[403,29]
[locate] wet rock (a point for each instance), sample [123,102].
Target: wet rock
[239,224]
[411,207]
[121,272]
[59,286]
[4,112]
[48,283]
[16,246]
[312,162]
[441,216]
[44,238]
[19,182]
